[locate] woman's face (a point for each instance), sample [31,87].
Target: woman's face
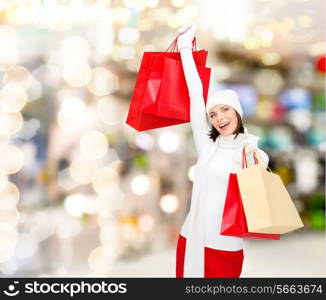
[222,114]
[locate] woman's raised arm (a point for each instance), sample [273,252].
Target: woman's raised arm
[198,120]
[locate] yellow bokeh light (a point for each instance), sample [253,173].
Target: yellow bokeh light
[270,58]
[251,43]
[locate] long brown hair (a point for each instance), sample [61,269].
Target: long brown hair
[213,134]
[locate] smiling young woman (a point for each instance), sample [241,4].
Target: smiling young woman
[202,251]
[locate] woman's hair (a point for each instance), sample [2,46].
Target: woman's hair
[213,134]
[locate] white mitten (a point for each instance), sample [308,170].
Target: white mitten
[187,34]
[252,144]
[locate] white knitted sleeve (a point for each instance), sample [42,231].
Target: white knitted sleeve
[198,117]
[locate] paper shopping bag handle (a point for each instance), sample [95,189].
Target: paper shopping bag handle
[174,45]
[244,158]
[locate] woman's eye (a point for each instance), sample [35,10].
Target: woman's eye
[225,109]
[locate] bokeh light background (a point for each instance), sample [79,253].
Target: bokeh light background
[84,194]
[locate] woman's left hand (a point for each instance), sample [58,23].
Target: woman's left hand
[252,145]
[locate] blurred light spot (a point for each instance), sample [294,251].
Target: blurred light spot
[112,201]
[144,141]
[168,141]
[121,15]
[8,56]
[9,217]
[307,170]
[3,179]
[305,21]
[76,47]
[9,195]
[128,35]
[274,79]
[11,159]
[94,144]
[169,203]
[146,222]
[135,4]
[103,82]
[71,116]
[191,173]
[78,204]
[109,110]
[270,58]
[317,49]
[124,52]
[178,3]
[68,228]
[12,97]
[300,118]
[83,169]
[10,122]
[104,179]
[109,235]
[102,259]
[76,72]
[140,184]
[18,75]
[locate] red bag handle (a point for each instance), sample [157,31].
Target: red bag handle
[174,45]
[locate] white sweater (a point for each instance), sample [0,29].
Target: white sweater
[216,160]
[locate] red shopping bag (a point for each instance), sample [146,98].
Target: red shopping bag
[167,93]
[136,117]
[234,220]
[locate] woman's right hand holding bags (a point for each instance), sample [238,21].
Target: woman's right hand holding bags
[186,35]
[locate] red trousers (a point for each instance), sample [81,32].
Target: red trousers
[218,263]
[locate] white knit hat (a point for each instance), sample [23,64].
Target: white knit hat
[229,97]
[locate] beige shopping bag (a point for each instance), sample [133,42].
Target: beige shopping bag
[267,204]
